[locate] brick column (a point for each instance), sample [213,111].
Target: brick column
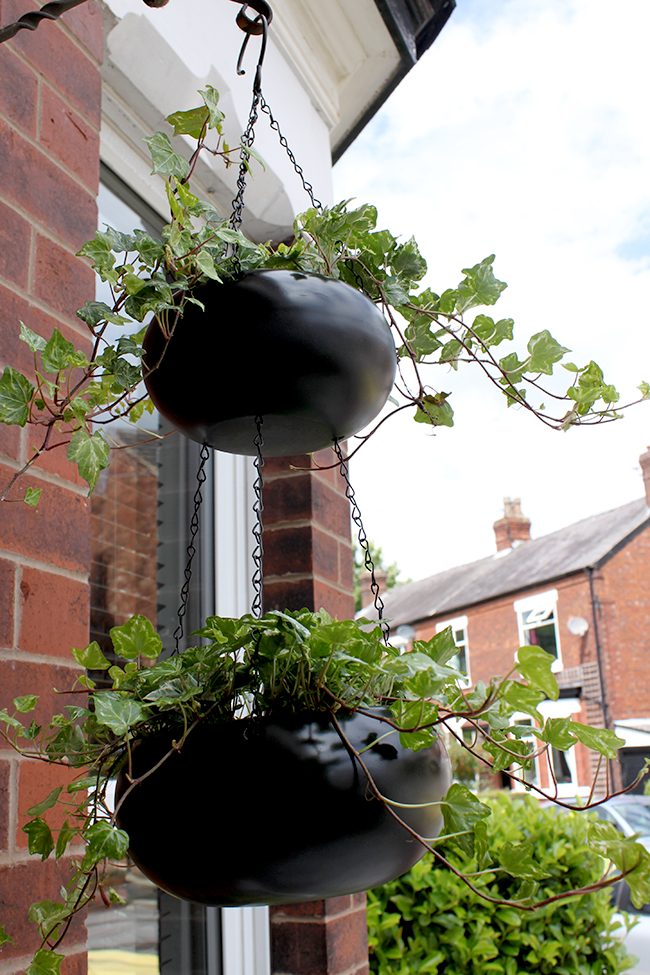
[308,563]
[50,99]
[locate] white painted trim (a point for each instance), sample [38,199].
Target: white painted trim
[246,945]
[542,601]
[547,598]
[233,496]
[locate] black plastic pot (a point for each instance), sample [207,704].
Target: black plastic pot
[277,811]
[309,354]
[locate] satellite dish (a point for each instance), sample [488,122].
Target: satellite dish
[577,625]
[405,631]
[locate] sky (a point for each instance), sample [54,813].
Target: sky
[523,132]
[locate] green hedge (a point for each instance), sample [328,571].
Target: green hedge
[430,921]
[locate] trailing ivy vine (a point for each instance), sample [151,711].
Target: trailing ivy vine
[78,396]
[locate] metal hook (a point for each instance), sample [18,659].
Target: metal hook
[252,26]
[264,32]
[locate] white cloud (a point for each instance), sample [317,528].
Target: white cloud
[523,132]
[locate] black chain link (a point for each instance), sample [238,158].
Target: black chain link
[363,540]
[201,477]
[308,188]
[258,528]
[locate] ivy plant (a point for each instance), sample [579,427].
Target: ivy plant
[73,394]
[303,662]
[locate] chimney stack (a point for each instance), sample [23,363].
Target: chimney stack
[644,461]
[515,527]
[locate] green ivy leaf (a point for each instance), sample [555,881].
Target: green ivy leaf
[624,853]
[491,333]
[461,811]
[117,713]
[165,160]
[135,638]
[190,122]
[91,454]
[48,803]
[48,914]
[602,740]
[32,496]
[517,860]
[205,264]
[25,704]
[544,352]
[522,698]
[91,657]
[479,286]
[435,410]
[104,841]
[644,389]
[39,837]
[45,963]
[95,312]
[534,665]
[58,353]
[66,834]
[4,937]
[211,98]
[556,732]
[440,647]
[16,393]
[36,342]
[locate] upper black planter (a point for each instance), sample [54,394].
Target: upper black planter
[310,355]
[276,811]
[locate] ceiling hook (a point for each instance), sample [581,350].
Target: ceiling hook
[252,25]
[262,23]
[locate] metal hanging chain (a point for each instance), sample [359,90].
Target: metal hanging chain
[363,540]
[308,188]
[258,528]
[261,24]
[51,11]
[201,477]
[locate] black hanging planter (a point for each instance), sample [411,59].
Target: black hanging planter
[309,354]
[277,810]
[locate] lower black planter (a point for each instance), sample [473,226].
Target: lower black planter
[277,810]
[311,355]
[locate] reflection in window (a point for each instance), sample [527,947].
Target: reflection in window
[539,626]
[124,939]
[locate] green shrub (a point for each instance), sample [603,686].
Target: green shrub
[430,921]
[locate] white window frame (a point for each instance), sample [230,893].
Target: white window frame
[542,603]
[458,623]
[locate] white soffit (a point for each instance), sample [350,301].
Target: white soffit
[341,52]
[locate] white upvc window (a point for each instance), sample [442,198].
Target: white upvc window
[459,632]
[537,624]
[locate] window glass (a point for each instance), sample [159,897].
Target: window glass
[123,939]
[539,630]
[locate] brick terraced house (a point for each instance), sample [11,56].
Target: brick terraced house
[77,98]
[583,594]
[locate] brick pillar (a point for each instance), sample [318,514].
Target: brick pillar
[50,97]
[308,563]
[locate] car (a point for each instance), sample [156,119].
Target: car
[630,814]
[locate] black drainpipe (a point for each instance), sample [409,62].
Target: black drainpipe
[599,656]
[599,650]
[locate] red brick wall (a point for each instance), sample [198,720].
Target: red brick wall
[49,163]
[308,562]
